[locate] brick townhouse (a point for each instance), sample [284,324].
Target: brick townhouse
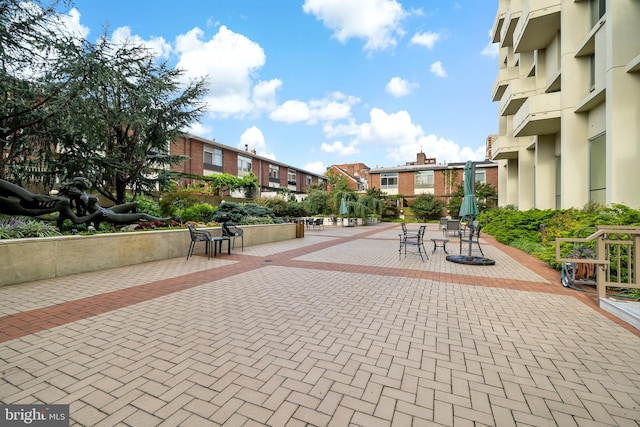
[207,157]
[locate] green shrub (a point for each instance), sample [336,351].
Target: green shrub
[295,210]
[426,206]
[201,212]
[317,202]
[148,206]
[255,210]
[173,203]
[229,211]
[521,229]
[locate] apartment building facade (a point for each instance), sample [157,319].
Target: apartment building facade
[426,176]
[206,157]
[568,88]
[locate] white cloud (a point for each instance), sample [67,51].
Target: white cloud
[315,167]
[337,147]
[71,22]
[292,111]
[438,69]
[402,138]
[200,129]
[388,129]
[427,39]
[491,49]
[157,45]
[230,61]
[341,129]
[399,87]
[335,106]
[264,94]
[376,21]
[253,139]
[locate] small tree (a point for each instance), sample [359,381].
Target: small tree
[317,202]
[426,206]
[486,197]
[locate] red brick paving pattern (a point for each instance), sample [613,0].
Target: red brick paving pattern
[311,335]
[29,322]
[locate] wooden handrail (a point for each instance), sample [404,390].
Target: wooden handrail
[590,238]
[605,238]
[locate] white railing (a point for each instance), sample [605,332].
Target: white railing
[616,256]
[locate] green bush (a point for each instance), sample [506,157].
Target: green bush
[173,202]
[201,212]
[295,210]
[229,211]
[426,206]
[255,210]
[521,229]
[317,202]
[148,206]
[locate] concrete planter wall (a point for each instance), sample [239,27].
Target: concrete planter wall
[26,260]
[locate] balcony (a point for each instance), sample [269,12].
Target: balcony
[539,115]
[515,95]
[504,77]
[505,148]
[588,45]
[592,100]
[496,30]
[538,25]
[510,22]
[634,65]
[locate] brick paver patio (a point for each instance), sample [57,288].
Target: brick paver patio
[333,329]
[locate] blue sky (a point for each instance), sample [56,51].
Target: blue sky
[312,83]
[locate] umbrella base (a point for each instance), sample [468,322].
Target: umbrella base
[470,260]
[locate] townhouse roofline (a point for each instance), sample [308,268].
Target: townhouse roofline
[442,166]
[249,153]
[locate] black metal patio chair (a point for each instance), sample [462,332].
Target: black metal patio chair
[415,241]
[199,236]
[231,231]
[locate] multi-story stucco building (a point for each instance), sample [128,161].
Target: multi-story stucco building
[205,157]
[568,88]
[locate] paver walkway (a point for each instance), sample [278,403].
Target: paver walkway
[333,329]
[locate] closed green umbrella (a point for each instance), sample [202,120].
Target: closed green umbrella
[343,207]
[469,207]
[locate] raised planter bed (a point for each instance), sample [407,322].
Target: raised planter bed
[27,260]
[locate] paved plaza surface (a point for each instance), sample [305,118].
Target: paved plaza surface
[334,329]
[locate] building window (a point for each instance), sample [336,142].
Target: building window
[598,170]
[598,9]
[592,72]
[291,176]
[244,165]
[388,180]
[213,157]
[481,176]
[558,182]
[309,180]
[274,172]
[424,179]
